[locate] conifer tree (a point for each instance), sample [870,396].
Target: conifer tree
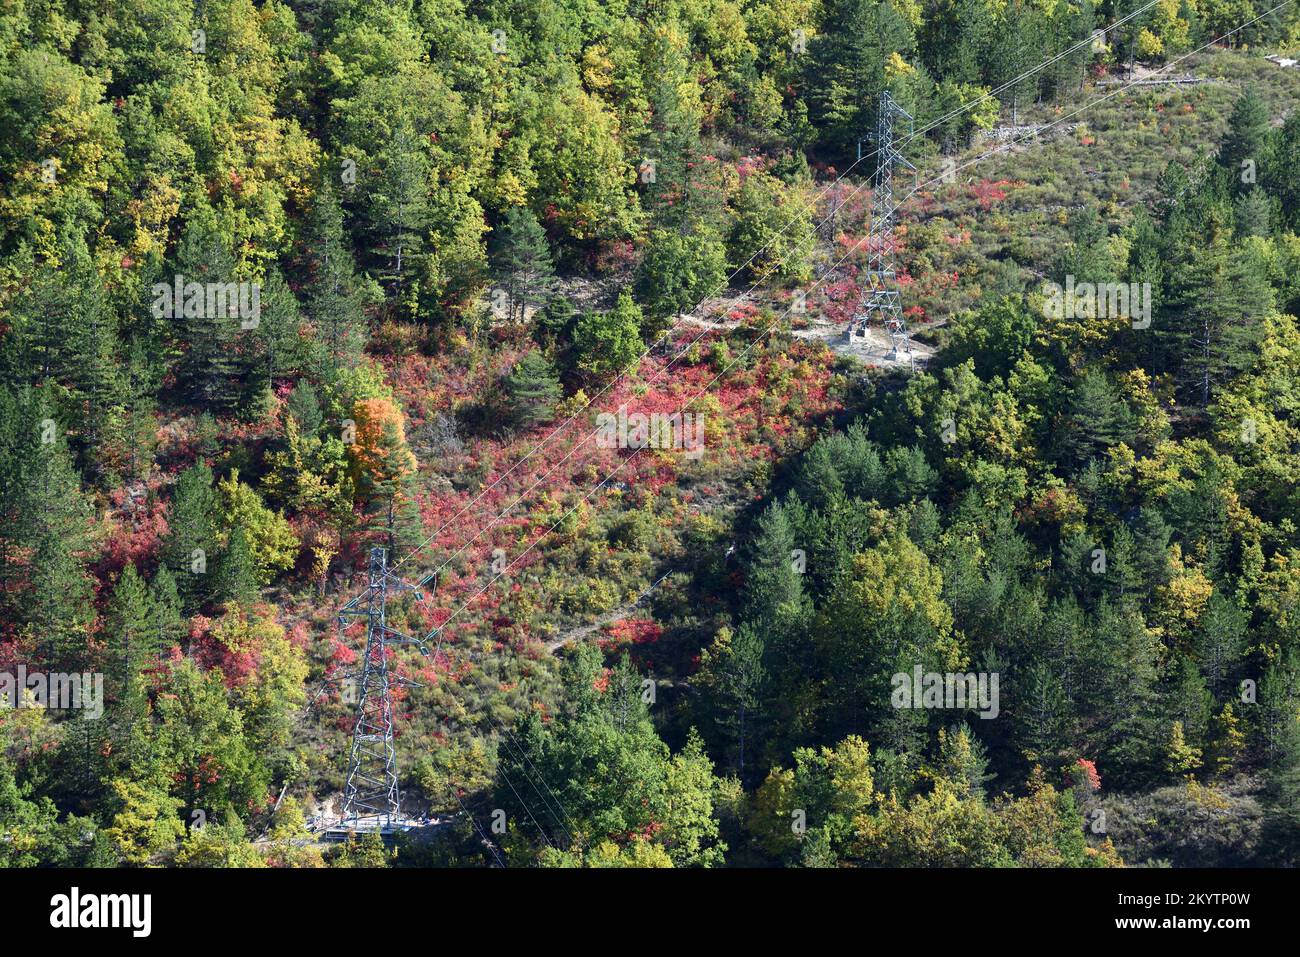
[190,546]
[963,760]
[236,574]
[1281,177]
[672,166]
[209,367]
[47,516]
[1098,418]
[1219,638]
[336,295]
[532,390]
[1215,317]
[59,611]
[132,638]
[1042,714]
[280,347]
[772,584]
[131,429]
[847,68]
[1248,138]
[521,263]
[401,215]
[168,622]
[304,405]
[1189,701]
[732,671]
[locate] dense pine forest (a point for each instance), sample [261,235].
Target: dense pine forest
[285,282]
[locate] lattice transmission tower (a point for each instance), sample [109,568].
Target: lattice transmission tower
[881,300]
[371,791]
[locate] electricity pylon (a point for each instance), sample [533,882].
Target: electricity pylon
[880,297]
[371,790]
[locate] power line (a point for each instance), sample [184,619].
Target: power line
[943,119]
[998,149]
[372,778]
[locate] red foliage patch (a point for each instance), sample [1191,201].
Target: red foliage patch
[630,631]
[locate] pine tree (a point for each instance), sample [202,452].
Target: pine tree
[1021,40]
[1070,27]
[1098,418]
[1281,176]
[132,432]
[1218,641]
[1277,733]
[304,405]
[818,481]
[1146,266]
[532,390]
[1214,321]
[975,29]
[773,586]
[383,467]
[168,622]
[191,539]
[401,211]
[1042,714]
[90,336]
[403,524]
[672,151]
[40,496]
[554,330]
[678,271]
[1227,741]
[1283,788]
[909,475]
[64,336]
[1077,563]
[12,486]
[99,387]
[733,673]
[1064,648]
[210,366]
[1252,214]
[236,576]
[1181,758]
[1189,701]
[1087,257]
[47,515]
[963,761]
[1151,547]
[279,344]
[59,610]
[608,344]
[955,39]
[1248,137]
[132,638]
[1124,576]
[54,319]
[1123,655]
[336,296]
[521,263]
[847,68]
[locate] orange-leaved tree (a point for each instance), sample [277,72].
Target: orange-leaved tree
[381,460]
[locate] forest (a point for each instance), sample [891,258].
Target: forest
[286,281]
